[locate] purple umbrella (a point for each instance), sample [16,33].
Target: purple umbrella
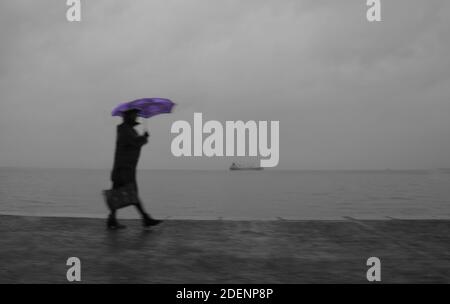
[147,107]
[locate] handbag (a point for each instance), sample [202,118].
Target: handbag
[120,198]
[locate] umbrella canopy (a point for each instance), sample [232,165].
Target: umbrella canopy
[147,107]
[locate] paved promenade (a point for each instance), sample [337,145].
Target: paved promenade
[35,250]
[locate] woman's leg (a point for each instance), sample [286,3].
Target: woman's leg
[112,222]
[146,218]
[115,185]
[139,206]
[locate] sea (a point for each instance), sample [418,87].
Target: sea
[233,195]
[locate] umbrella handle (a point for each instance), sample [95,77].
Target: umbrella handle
[145,125]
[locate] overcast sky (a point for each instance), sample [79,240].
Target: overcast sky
[349,94]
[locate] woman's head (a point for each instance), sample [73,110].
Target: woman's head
[130,115]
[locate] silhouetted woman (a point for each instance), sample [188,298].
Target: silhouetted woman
[128,150]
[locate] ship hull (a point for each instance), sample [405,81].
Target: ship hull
[246,169]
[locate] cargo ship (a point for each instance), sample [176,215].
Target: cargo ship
[236,167]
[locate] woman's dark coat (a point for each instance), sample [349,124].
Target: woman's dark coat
[128,150]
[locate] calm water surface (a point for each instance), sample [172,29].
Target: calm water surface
[233,195]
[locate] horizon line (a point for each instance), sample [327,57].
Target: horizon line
[227,169]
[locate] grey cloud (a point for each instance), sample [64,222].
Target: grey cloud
[348,93]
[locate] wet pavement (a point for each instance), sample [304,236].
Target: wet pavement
[35,250]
